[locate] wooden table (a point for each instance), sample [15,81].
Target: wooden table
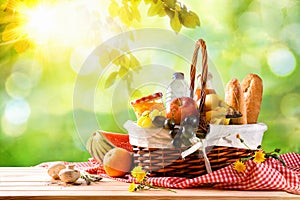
[34,183]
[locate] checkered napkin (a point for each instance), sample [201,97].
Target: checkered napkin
[269,175]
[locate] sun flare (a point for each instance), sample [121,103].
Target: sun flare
[67,23]
[40,23]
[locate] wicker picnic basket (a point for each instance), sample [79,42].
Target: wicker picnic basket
[162,162]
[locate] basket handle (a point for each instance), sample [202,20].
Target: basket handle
[199,43]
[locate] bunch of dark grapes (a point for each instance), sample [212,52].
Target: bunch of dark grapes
[180,134]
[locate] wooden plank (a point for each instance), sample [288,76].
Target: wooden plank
[13,178]
[65,188]
[108,189]
[203,194]
[53,183]
[34,183]
[20,169]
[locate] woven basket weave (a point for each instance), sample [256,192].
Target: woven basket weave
[162,162]
[168,161]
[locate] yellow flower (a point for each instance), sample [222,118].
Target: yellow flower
[143,184]
[259,157]
[15,32]
[239,166]
[131,187]
[138,173]
[140,177]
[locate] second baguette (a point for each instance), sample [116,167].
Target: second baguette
[252,87]
[234,97]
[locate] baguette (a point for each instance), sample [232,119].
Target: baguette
[252,87]
[234,97]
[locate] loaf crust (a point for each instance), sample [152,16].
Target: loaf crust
[234,97]
[252,87]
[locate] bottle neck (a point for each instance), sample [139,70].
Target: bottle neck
[178,75]
[209,85]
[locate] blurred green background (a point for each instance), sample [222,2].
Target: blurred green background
[39,64]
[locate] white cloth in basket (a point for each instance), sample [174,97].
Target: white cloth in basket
[219,135]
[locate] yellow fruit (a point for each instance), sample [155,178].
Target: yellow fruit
[213,114]
[222,110]
[211,101]
[154,113]
[226,121]
[163,112]
[147,122]
[140,121]
[117,162]
[146,113]
[217,116]
[209,115]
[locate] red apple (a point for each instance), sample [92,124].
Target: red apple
[182,107]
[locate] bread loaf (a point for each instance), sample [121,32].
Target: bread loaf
[234,97]
[252,87]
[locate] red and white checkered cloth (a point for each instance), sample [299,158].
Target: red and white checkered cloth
[269,175]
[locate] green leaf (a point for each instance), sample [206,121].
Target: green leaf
[135,3]
[113,8]
[169,12]
[157,9]
[125,16]
[147,1]
[104,59]
[123,71]
[153,10]
[10,32]
[183,8]
[175,22]
[125,61]
[114,56]
[136,13]
[170,3]
[21,46]
[136,94]
[111,79]
[189,19]
[278,158]
[245,158]
[117,62]
[134,63]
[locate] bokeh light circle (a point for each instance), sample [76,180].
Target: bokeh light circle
[290,105]
[18,85]
[17,111]
[282,62]
[24,77]
[290,33]
[32,68]
[10,129]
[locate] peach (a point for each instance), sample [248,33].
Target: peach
[117,162]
